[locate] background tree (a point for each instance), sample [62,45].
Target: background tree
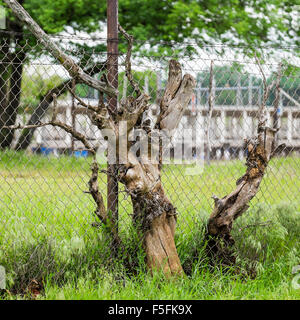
[16,43]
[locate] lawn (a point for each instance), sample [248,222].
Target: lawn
[46,233]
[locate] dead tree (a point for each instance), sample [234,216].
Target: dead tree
[152,210]
[260,150]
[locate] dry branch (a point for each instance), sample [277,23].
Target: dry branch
[94,191]
[128,71]
[46,100]
[81,102]
[67,62]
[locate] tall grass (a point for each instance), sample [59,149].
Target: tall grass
[46,235]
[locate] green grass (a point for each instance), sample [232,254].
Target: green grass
[46,233]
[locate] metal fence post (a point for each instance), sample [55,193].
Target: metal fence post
[112,74]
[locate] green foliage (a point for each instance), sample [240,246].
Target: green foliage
[230,21]
[46,234]
[140,78]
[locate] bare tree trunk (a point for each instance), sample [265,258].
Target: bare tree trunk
[235,204]
[156,217]
[153,211]
[260,151]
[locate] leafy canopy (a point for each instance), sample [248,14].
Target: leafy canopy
[230,21]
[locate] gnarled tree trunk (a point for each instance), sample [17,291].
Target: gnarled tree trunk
[259,152]
[153,211]
[236,203]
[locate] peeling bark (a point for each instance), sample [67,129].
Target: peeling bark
[235,204]
[153,211]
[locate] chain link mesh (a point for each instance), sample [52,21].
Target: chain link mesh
[46,217]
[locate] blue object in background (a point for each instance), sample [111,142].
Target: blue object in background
[46,151]
[81,153]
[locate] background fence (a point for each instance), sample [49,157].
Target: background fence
[44,172]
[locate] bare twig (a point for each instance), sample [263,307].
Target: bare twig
[100,212]
[277,97]
[128,71]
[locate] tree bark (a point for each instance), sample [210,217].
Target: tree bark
[153,213]
[259,152]
[156,217]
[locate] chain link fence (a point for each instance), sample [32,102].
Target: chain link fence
[45,214]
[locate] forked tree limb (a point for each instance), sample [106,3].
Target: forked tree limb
[67,62]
